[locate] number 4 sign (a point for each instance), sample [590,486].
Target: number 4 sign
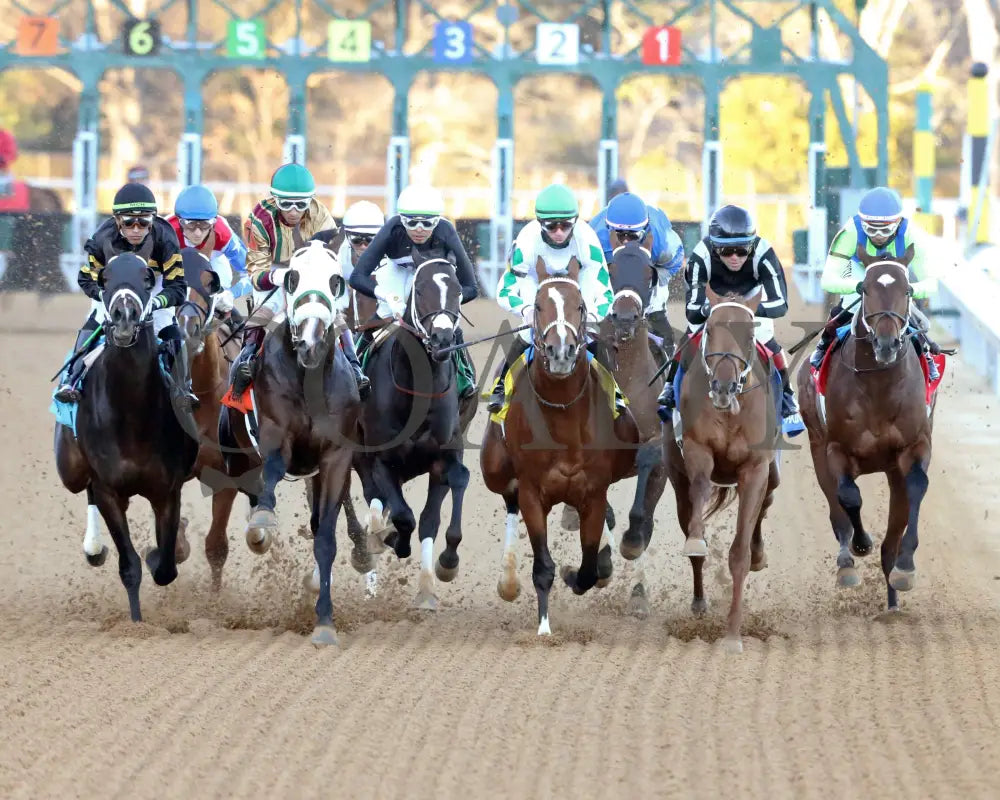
[661,46]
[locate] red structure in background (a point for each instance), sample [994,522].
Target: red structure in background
[15,196]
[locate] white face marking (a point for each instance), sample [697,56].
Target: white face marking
[442,321]
[560,305]
[886,279]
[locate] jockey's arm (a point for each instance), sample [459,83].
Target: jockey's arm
[671,251]
[361,278]
[87,277]
[697,279]
[517,286]
[464,270]
[166,258]
[595,281]
[772,277]
[235,253]
[259,255]
[839,273]
[923,280]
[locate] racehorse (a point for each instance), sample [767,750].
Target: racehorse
[129,440]
[305,401]
[209,372]
[877,416]
[413,424]
[729,443]
[561,441]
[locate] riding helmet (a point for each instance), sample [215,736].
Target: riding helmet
[627,212]
[363,217]
[732,225]
[196,202]
[880,204]
[134,198]
[292,182]
[419,200]
[556,202]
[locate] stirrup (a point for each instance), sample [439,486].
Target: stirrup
[496,400]
[67,393]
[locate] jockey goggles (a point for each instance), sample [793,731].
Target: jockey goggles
[414,223]
[552,225]
[360,238]
[292,205]
[198,224]
[136,221]
[626,235]
[730,250]
[882,229]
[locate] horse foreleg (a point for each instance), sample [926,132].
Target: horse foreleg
[638,604]
[849,498]
[217,540]
[400,513]
[648,457]
[361,559]
[758,558]
[904,571]
[677,475]
[509,585]
[375,526]
[263,523]
[751,488]
[112,508]
[329,488]
[457,476]
[162,559]
[593,527]
[899,510]
[93,548]
[698,462]
[543,570]
[430,521]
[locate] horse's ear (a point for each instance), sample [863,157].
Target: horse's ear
[148,279]
[214,282]
[907,256]
[574,269]
[291,282]
[862,255]
[711,296]
[755,300]
[337,285]
[541,270]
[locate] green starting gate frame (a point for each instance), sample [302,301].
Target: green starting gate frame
[172,35]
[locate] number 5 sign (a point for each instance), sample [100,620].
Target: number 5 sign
[453,42]
[245,38]
[557,43]
[662,46]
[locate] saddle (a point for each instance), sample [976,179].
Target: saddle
[616,398]
[65,413]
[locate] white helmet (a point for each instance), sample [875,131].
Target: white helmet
[420,201]
[363,217]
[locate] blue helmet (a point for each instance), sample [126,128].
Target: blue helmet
[196,202]
[880,211]
[627,212]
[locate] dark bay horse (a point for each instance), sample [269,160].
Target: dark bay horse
[209,370]
[307,408]
[413,424]
[877,419]
[560,441]
[129,440]
[730,427]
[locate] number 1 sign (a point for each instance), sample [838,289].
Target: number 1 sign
[661,46]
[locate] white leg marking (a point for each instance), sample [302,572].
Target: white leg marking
[371,583]
[543,627]
[427,555]
[374,515]
[607,537]
[510,534]
[92,538]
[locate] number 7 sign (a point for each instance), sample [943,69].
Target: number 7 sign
[662,46]
[38,36]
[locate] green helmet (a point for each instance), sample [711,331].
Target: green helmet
[292,181]
[556,202]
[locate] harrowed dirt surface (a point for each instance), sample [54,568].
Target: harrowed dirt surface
[224,696]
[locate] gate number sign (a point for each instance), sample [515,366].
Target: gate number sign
[557,43]
[661,45]
[349,40]
[245,38]
[453,42]
[141,37]
[37,36]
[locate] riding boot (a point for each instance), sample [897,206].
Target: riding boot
[176,374]
[67,391]
[658,324]
[464,366]
[246,361]
[517,348]
[347,343]
[925,349]
[838,317]
[791,418]
[666,401]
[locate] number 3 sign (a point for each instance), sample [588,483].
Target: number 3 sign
[453,42]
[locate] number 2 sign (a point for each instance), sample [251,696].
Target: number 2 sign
[557,43]
[662,46]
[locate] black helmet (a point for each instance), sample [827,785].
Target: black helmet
[134,198]
[732,226]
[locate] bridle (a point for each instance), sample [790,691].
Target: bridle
[904,321]
[207,316]
[420,322]
[742,364]
[538,336]
[128,295]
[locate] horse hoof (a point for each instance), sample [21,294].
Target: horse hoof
[699,606]
[425,601]
[848,577]
[630,550]
[161,577]
[305,532]
[902,580]
[361,560]
[509,586]
[182,549]
[445,574]
[695,548]
[570,519]
[401,547]
[638,604]
[375,544]
[98,559]
[861,546]
[733,644]
[759,564]
[568,574]
[324,636]
[262,523]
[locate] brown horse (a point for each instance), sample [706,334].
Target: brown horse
[876,420]
[729,442]
[560,442]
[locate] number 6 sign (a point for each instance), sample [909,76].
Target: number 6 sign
[141,37]
[557,43]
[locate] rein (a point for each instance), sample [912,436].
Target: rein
[736,358]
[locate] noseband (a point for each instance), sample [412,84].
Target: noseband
[578,333]
[904,321]
[145,317]
[420,322]
[207,316]
[737,359]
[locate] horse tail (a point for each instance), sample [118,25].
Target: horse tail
[722,497]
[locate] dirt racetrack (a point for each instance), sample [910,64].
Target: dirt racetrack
[223,696]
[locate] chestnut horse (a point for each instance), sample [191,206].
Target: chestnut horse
[560,442]
[728,443]
[877,420]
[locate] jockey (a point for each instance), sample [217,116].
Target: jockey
[197,223]
[417,229]
[733,259]
[879,227]
[627,219]
[136,228]
[361,222]
[278,226]
[557,235]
